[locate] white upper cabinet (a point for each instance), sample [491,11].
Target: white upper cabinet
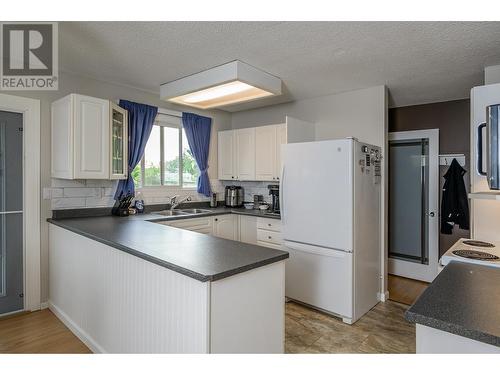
[85,145]
[254,154]
[225,155]
[245,154]
[91,137]
[265,153]
[268,141]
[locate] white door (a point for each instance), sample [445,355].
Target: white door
[245,151]
[414,204]
[91,132]
[226,155]
[281,139]
[225,227]
[265,153]
[320,277]
[317,193]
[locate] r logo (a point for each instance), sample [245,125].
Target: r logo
[29,56]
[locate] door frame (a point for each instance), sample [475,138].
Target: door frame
[30,109]
[424,272]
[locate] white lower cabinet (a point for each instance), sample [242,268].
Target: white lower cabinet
[225,226]
[248,229]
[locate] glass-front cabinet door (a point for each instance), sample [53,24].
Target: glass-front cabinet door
[119,143]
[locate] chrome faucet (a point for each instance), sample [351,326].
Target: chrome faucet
[174,202]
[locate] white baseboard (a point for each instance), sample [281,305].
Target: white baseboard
[44,305]
[82,335]
[383,297]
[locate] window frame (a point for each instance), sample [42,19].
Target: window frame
[165,121]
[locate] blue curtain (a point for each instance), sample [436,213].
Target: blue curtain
[198,135]
[140,122]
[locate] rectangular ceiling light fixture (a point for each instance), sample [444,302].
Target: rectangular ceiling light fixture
[231,83]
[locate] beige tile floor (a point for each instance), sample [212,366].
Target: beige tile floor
[381,330]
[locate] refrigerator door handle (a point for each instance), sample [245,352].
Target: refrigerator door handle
[479,159]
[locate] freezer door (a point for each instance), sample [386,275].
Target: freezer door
[317,193]
[320,277]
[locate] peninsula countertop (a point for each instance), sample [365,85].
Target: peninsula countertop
[464,300]
[199,256]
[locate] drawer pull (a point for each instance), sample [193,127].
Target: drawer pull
[269,237]
[269,224]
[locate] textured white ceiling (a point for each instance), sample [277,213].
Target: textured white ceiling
[419,61]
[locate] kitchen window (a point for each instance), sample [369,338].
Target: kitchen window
[167,159]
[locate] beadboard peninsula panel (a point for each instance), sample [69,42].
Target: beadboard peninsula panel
[118,303]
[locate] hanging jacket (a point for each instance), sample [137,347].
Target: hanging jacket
[454,204]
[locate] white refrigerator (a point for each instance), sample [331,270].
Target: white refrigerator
[330,212]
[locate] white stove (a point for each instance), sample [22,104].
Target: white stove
[473,251]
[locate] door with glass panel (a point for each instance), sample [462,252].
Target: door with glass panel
[11,212]
[413,204]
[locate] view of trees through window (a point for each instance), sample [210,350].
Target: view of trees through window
[162,160]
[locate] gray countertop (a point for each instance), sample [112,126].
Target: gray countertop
[202,257]
[464,300]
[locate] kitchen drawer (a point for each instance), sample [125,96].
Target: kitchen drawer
[269,236]
[273,225]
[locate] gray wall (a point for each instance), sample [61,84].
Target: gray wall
[359,113]
[69,83]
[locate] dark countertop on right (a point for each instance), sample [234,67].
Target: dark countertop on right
[464,299]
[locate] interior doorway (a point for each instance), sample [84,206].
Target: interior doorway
[414,204]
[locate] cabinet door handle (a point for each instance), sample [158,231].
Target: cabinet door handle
[269,237]
[269,224]
[216,219]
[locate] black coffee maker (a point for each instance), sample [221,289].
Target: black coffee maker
[274,192]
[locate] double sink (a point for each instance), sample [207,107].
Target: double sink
[183,212]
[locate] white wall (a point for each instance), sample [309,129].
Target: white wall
[69,83]
[361,113]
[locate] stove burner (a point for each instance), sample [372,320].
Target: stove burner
[478,243]
[474,254]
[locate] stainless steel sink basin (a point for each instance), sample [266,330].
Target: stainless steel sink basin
[184,212]
[171,213]
[192,211]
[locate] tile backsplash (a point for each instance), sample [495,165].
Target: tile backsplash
[65,194]
[251,188]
